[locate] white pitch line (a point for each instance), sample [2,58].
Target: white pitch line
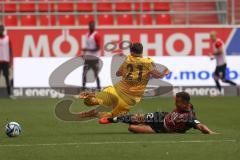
[117,142]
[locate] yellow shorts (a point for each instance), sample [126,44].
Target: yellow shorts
[119,103]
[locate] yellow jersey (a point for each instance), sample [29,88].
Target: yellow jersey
[135,76]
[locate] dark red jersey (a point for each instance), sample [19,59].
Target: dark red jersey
[180,121]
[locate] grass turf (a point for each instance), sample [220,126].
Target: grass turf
[90,140]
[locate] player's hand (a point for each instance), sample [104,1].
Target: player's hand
[212,58]
[165,73]
[213,133]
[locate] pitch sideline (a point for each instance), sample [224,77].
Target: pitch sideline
[117,142]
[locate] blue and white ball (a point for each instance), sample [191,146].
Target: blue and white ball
[13,129]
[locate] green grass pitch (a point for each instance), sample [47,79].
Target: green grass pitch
[46,137]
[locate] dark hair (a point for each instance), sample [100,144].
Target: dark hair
[184,96]
[136,48]
[90,22]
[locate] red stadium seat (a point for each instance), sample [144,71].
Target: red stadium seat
[105,19]
[28,20]
[10,20]
[84,7]
[45,6]
[163,19]
[66,20]
[45,20]
[10,6]
[123,6]
[65,6]
[144,6]
[85,19]
[125,19]
[145,19]
[106,7]
[161,6]
[27,6]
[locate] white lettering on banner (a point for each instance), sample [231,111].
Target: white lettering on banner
[163,44]
[38,92]
[29,46]
[187,45]
[65,37]
[202,91]
[184,71]
[200,44]
[157,45]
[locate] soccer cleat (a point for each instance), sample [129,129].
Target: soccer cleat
[106,120]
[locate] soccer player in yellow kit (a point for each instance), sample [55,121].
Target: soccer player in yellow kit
[136,72]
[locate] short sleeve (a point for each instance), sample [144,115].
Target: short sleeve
[151,64]
[218,44]
[97,39]
[193,122]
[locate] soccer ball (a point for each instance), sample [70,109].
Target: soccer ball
[13,129]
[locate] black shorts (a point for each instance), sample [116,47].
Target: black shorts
[4,67]
[91,64]
[220,71]
[155,121]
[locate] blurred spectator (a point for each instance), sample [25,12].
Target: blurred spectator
[91,53]
[5,57]
[219,55]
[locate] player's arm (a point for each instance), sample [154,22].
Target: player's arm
[11,53]
[157,74]
[204,129]
[194,123]
[119,72]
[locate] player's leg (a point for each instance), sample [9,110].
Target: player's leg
[96,71]
[216,79]
[110,98]
[229,82]
[104,98]
[0,69]
[6,75]
[140,128]
[223,76]
[90,98]
[91,113]
[129,119]
[137,124]
[84,75]
[93,101]
[120,109]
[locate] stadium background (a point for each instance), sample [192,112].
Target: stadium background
[173,32]
[42,31]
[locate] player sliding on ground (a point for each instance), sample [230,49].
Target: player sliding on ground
[181,119]
[136,72]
